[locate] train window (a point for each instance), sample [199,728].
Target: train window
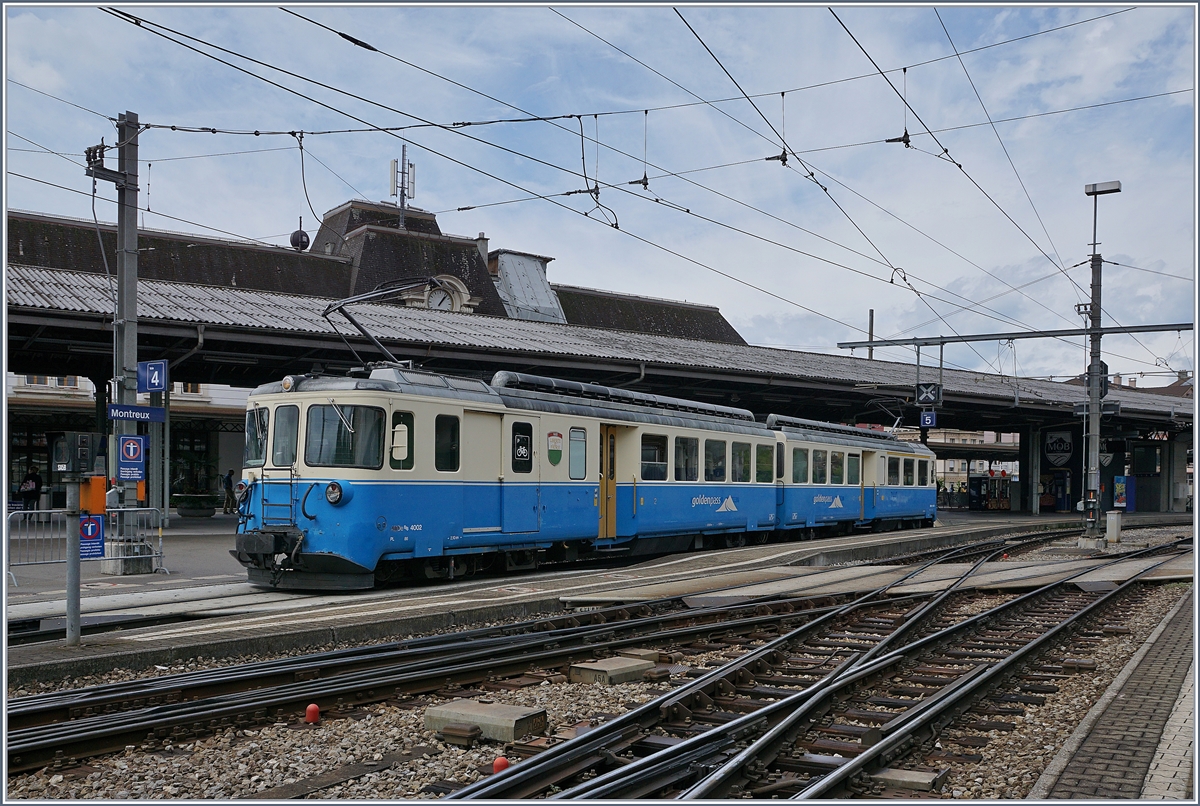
[654,457]
[522,448]
[852,463]
[764,457]
[820,466]
[739,462]
[714,460]
[837,467]
[578,458]
[922,473]
[687,458]
[344,436]
[445,443]
[779,449]
[287,424]
[908,472]
[403,450]
[799,465]
[255,452]
[893,472]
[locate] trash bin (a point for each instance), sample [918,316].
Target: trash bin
[1114,526]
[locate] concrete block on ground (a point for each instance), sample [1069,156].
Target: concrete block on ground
[911,779]
[609,671]
[501,723]
[640,654]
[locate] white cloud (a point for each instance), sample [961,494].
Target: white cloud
[532,58]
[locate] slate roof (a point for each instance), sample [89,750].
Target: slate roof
[591,307]
[383,254]
[38,288]
[38,240]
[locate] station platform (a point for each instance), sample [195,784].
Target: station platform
[1138,740]
[221,615]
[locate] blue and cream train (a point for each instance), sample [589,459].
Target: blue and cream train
[351,482]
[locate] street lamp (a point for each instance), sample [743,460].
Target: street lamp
[1096,370]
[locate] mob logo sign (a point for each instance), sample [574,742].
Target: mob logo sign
[554,447]
[131,458]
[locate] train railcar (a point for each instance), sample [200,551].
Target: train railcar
[355,481]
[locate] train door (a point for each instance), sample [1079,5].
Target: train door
[608,481]
[520,485]
[483,468]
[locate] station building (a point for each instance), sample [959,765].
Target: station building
[229,315]
[358,247]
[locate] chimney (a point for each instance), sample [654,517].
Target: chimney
[1116,381]
[1133,383]
[482,243]
[1182,375]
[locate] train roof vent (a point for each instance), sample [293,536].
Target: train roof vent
[557,386]
[779,420]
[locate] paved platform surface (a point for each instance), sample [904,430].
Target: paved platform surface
[249,619]
[1137,742]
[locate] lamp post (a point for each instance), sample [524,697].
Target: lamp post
[1096,371]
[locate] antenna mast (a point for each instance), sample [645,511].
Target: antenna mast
[403,181]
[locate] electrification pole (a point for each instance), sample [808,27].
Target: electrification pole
[1096,372]
[125,317]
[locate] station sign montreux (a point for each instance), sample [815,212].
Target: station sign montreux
[141,414]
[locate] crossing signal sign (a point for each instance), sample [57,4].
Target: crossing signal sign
[929,394]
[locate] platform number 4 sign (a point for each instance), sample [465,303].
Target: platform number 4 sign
[152,376]
[929,394]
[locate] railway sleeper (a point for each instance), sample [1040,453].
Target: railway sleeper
[875,717]
[832,746]
[988,724]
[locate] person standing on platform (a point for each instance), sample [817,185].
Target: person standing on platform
[31,489]
[230,501]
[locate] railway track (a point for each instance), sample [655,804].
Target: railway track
[57,729]
[63,727]
[779,742]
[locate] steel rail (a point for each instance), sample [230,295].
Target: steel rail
[104,732]
[636,778]
[63,706]
[718,783]
[906,725]
[534,774]
[651,773]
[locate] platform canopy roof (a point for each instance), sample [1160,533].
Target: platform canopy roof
[60,323]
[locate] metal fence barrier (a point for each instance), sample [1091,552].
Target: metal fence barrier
[132,540]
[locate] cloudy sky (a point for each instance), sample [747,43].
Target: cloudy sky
[974,228]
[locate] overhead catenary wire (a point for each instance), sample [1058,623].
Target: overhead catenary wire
[149,26]
[151,212]
[360,43]
[753,131]
[131,18]
[1153,271]
[543,196]
[996,131]
[945,153]
[812,176]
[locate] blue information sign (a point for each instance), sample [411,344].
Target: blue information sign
[929,419]
[91,536]
[141,414]
[152,376]
[131,458]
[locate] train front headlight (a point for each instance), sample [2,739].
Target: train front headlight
[333,493]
